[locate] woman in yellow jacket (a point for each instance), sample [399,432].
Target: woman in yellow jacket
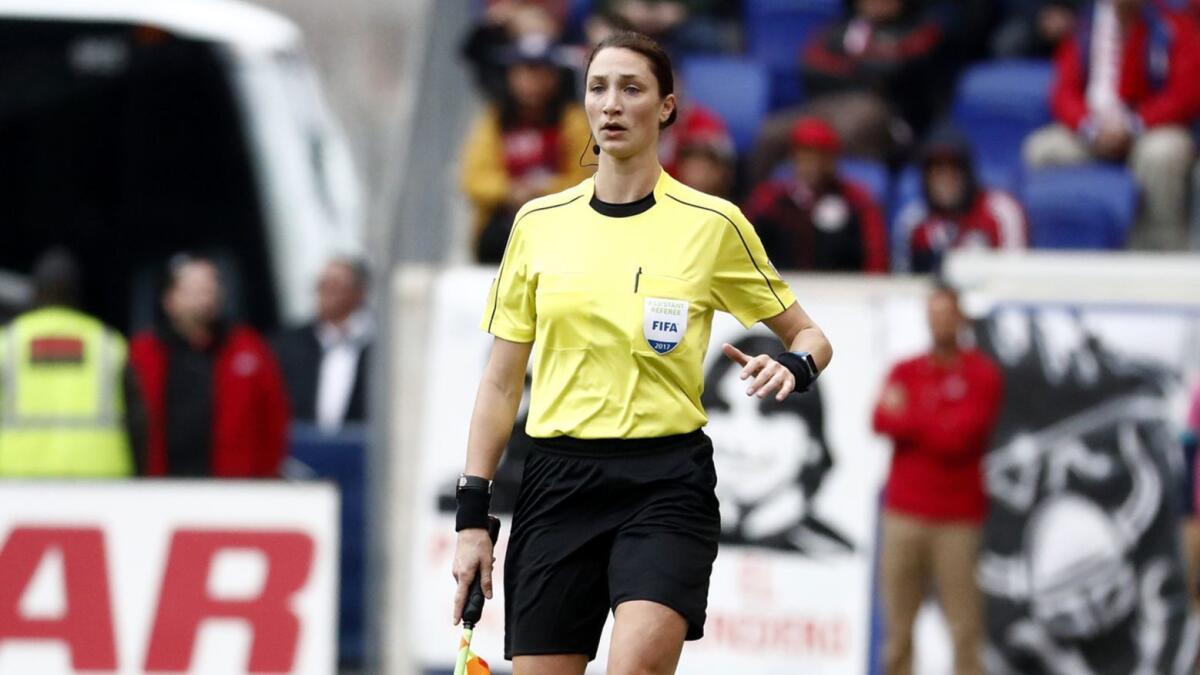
[525,146]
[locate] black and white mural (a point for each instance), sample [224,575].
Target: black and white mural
[1081,566]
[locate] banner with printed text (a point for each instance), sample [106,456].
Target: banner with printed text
[793,585]
[204,577]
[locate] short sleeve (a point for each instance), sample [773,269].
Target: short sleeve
[510,312]
[744,281]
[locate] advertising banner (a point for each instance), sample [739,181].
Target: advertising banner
[1080,550]
[168,577]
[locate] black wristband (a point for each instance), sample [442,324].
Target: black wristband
[474,500]
[802,367]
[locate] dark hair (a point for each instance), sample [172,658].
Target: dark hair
[660,62]
[510,112]
[56,279]
[177,262]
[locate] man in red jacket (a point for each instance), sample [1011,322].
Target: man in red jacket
[814,219]
[1125,90]
[213,392]
[939,409]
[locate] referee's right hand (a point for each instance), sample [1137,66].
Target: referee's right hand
[472,554]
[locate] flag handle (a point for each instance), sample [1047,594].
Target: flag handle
[464,652]
[474,607]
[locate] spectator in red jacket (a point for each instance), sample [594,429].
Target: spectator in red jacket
[955,211]
[815,220]
[938,409]
[213,392]
[1125,90]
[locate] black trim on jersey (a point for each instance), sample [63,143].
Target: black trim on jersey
[622,210]
[500,272]
[744,245]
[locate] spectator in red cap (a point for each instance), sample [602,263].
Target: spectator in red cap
[813,219]
[694,122]
[954,210]
[706,162]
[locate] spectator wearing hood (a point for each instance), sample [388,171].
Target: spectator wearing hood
[526,146]
[1126,91]
[814,219]
[955,211]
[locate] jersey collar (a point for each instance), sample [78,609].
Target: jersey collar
[627,209]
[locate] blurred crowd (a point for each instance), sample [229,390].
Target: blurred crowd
[868,135]
[196,395]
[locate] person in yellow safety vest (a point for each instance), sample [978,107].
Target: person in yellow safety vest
[68,404]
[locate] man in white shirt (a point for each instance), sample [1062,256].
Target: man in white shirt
[325,361]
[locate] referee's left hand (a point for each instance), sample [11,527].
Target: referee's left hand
[769,375]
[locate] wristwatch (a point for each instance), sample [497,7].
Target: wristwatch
[803,366]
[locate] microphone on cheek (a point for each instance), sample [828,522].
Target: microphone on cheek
[596,150]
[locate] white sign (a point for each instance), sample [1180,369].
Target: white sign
[168,577]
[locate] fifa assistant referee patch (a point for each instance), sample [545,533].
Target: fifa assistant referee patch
[664,323]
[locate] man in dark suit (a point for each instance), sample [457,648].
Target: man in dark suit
[325,361]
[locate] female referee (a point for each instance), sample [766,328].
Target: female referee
[615,280]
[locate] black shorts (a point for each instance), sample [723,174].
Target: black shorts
[600,522]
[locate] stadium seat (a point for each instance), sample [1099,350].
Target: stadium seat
[776,33]
[1084,207]
[735,88]
[998,104]
[868,173]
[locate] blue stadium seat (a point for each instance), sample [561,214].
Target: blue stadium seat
[999,103]
[868,173]
[735,88]
[776,33]
[1084,207]
[755,8]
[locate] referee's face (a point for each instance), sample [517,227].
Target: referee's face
[624,106]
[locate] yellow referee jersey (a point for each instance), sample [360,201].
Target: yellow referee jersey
[618,300]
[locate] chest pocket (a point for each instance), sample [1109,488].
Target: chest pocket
[665,308]
[564,309]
